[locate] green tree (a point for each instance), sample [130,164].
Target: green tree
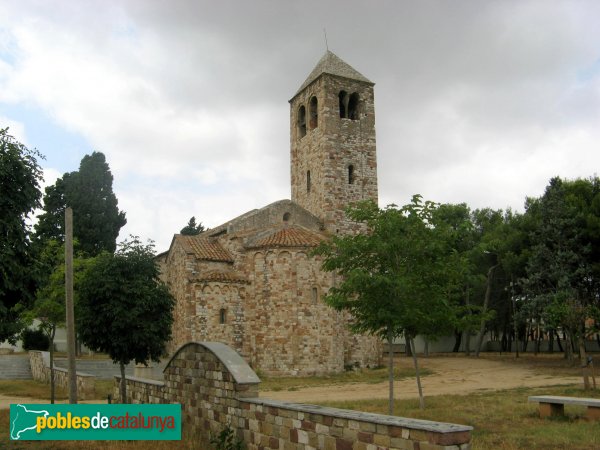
[96,216]
[191,229]
[397,278]
[465,241]
[124,309]
[562,281]
[49,306]
[20,176]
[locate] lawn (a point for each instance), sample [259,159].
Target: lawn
[502,420]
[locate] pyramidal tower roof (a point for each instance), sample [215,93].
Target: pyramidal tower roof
[332,64]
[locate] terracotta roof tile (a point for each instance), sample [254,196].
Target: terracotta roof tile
[207,249]
[290,237]
[223,277]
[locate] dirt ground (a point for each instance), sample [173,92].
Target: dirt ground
[453,375]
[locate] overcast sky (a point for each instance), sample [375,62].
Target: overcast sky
[476,101]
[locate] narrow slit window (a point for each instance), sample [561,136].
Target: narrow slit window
[222,316]
[314,113]
[343,98]
[302,121]
[308,181]
[350,174]
[315,295]
[353,106]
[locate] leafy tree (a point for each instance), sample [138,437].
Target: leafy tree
[96,216]
[49,306]
[562,281]
[191,229]
[124,309]
[397,278]
[465,240]
[20,176]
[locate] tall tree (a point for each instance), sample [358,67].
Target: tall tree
[124,309]
[96,216]
[396,279]
[192,229]
[561,282]
[20,176]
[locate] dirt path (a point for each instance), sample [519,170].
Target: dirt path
[452,376]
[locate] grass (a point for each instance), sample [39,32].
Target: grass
[502,420]
[30,388]
[352,376]
[37,389]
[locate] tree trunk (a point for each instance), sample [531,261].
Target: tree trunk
[390,337]
[568,347]
[123,383]
[551,341]
[560,347]
[426,351]
[417,373]
[584,365]
[526,340]
[458,338]
[468,332]
[486,302]
[52,383]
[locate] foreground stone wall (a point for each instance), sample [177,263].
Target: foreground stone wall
[40,369]
[216,387]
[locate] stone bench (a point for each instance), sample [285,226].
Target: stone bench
[551,406]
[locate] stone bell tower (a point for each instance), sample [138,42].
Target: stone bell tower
[333,153]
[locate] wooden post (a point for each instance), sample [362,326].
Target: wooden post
[69,304]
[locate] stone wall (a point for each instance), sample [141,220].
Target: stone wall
[216,387]
[40,369]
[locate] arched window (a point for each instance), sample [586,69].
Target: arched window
[308,181]
[343,97]
[302,121]
[314,113]
[353,106]
[222,315]
[286,216]
[350,174]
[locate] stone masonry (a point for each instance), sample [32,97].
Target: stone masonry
[40,369]
[215,388]
[253,282]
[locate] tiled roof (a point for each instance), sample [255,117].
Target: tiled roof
[332,64]
[207,249]
[223,277]
[290,237]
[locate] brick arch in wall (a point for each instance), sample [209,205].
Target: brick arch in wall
[216,387]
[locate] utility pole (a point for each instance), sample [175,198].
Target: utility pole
[69,304]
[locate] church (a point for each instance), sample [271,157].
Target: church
[252,282]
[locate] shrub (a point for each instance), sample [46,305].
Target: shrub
[35,340]
[226,440]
